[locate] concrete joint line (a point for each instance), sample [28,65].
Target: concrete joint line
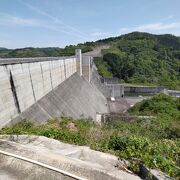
[32,84]
[14,93]
[42,165]
[42,74]
[50,117]
[50,75]
[65,69]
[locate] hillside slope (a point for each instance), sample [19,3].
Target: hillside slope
[42,52]
[143,58]
[133,58]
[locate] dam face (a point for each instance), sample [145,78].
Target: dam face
[25,81]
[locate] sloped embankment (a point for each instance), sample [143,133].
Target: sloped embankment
[75,98]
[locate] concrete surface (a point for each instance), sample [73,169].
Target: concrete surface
[143,89]
[75,98]
[78,160]
[24,82]
[96,81]
[86,67]
[121,105]
[155,174]
[78,55]
[110,80]
[9,61]
[118,106]
[117,90]
[173,93]
[135,99]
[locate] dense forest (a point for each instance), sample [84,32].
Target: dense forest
[142,58]
[139,58]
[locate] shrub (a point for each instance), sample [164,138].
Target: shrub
[158,104]
[152,141]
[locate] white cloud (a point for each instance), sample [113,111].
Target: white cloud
[154,28]
[99,34]
[169,17]
[58,24]
[24,22]
[158,26]
[9,20]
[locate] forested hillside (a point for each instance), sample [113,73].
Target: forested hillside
[134,58]
[143,58]
[42,52]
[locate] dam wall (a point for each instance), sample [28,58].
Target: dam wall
[75,97]
[24,81]
[39,89]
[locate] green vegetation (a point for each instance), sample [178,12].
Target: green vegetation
[152,141]
[158,104]
[134,58]
[102,67]
[144,58]
[43,52]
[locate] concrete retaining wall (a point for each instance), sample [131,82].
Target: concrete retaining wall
[117,90]
[173,93]
[143,89]
[22,82]
[115,117]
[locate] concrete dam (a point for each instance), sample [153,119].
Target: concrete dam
[39,89]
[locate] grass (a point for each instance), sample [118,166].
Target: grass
[153,142]
[103,68]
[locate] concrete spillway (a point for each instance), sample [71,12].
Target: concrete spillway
[75,97]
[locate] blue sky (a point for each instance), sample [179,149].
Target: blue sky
[57,23]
